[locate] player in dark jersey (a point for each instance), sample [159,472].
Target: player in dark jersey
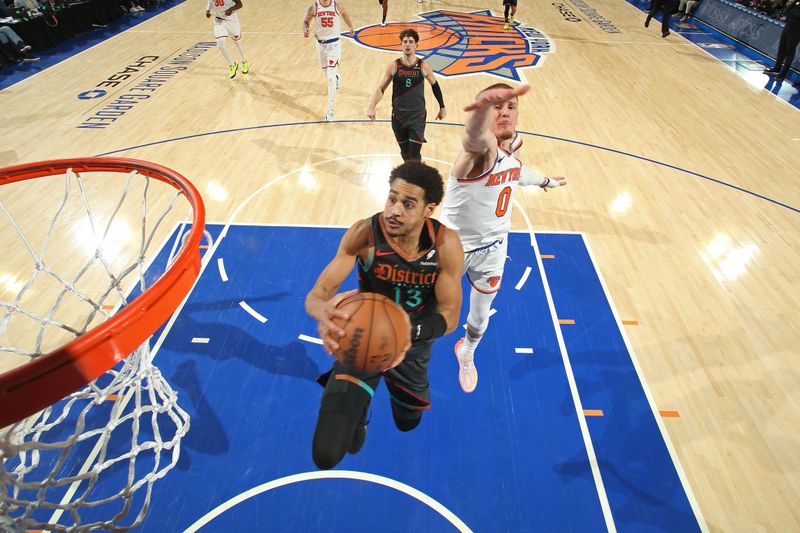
[408,96]
[401,238]
[512,5]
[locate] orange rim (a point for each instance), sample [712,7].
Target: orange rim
[33,386]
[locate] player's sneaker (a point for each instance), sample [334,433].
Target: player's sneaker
[505,26]
[245,67]
[467,373]
[232,70]
[329,115]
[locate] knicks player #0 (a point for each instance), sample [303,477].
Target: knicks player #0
[478,206]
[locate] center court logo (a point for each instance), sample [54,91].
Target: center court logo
[461,44]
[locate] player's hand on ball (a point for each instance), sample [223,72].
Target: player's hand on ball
[496,96]
[329,332]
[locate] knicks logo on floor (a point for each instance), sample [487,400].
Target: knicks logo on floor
[459,44]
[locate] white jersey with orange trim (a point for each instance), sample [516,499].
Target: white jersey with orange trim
[479,208]
[328,20]
[219,7]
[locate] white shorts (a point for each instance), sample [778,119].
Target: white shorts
[329,54]
[484,268]
[224,28]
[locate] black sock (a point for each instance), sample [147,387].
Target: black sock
[404,151]
[413,151]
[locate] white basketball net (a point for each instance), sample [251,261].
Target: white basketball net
[89,461]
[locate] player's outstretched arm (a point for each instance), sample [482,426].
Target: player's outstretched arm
[529,176]
[312,12]
[479,145]
[378,94]
[437,90]
[322,299]
[448,284]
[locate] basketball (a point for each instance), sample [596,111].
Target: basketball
[388,37]
[375,334]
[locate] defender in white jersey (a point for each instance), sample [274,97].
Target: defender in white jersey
[226,22]
[329,48]
[477,205]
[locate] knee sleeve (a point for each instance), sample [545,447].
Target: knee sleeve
[480,304]
[413,151]
[331,73]
[405,419]
[341,408]
[332,438]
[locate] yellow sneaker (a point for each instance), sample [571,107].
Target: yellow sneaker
[505,26]
[245,67]
[232,70]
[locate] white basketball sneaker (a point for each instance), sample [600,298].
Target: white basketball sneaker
[467,373]
[329,115]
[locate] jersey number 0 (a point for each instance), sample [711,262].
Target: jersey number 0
[502,202]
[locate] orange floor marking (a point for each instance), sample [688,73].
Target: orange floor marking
[544,256]
[111,398]
[670,414]
[592,412]
[630,323]
[566,321]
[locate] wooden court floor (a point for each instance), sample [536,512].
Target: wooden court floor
[683,178]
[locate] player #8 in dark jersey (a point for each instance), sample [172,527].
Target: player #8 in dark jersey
[408,91]
[408,280]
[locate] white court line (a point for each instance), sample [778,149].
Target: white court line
[332,474]
[524,350]
[524,278]
[221,268]
[200,340]
[252,312]
[309,339]
[573,387]
[656,414]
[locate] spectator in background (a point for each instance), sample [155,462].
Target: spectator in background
[667,8]
[790,38]
[686,8]
[28,4]
[131,7]
[13,47]
[4,11]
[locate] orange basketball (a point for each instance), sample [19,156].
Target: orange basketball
[388,37]
[375,334]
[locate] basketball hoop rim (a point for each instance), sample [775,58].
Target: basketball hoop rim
[29,388]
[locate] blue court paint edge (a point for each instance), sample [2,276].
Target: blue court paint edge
[542,135]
